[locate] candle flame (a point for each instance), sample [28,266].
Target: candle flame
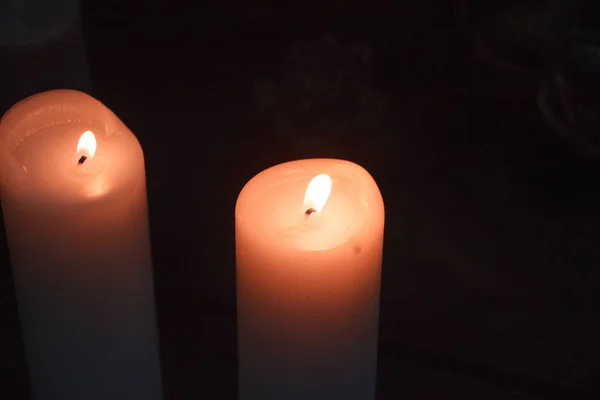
[87,144]
[317,192]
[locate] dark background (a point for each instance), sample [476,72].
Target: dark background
[490,265]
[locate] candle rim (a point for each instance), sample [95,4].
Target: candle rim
[375,200]
[21,124]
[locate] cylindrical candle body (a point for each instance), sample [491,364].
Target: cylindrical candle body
[308,290]
[80,251]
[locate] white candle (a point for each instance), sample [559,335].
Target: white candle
[78,237]
[309,241]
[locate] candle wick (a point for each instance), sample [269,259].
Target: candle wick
[307,213]
[82,160]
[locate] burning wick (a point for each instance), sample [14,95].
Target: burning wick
[317,193]
[87,144]
[307,213]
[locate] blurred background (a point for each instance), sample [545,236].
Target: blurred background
[478,119]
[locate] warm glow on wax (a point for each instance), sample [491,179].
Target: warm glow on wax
[73,196]
[87,144]
[308,293]
[317,192]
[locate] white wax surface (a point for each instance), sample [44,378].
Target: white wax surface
[80,250]
[308,291]
[281,214]
[45,169]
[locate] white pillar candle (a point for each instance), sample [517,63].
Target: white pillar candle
[74,201]
[309,242]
